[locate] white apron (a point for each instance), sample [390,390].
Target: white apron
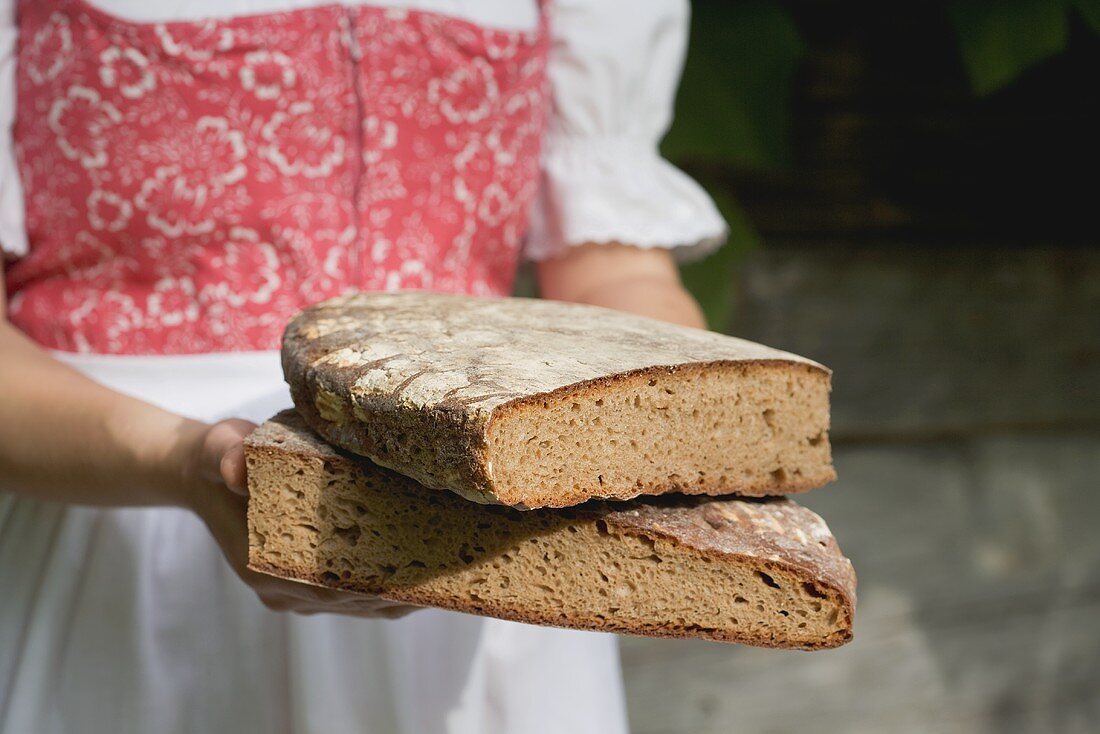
[119,621]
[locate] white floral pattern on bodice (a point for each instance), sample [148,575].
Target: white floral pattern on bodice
[189,186]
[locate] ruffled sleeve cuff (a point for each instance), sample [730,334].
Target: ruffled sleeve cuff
[619,191]
[13,232]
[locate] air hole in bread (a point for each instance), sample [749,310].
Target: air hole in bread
[767,579]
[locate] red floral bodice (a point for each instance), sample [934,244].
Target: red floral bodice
[190,185]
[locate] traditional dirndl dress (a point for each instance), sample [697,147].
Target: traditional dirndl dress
[188,187]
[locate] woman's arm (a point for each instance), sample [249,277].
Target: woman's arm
[645,282]
[64,437]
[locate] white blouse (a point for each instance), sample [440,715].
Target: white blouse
[614,66]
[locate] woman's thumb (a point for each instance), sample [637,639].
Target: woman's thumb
[223,454]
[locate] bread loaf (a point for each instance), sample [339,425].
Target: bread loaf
[759,572]
[533,403]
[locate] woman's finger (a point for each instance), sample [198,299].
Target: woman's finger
[234,470]
[219,440]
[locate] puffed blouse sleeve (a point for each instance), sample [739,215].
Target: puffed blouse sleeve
[13,233]
[614,67]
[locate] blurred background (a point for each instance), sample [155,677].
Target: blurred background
[913,195]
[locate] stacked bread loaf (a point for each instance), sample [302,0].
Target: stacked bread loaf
[551,463]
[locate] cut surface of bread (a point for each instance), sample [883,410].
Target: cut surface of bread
[758,572]
[532,403]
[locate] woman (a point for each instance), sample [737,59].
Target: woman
[184,176]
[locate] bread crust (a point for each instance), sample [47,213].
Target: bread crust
[351,381]
[771,536]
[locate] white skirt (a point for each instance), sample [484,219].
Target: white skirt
[129,620]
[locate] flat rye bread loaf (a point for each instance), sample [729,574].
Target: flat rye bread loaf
[759,572]
[533,403]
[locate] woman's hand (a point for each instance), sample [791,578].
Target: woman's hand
[65,438]
[219,491]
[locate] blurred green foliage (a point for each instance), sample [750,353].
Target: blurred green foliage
[1090,11]
[733,101]
[999,39]
[710,278]
[733,108]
